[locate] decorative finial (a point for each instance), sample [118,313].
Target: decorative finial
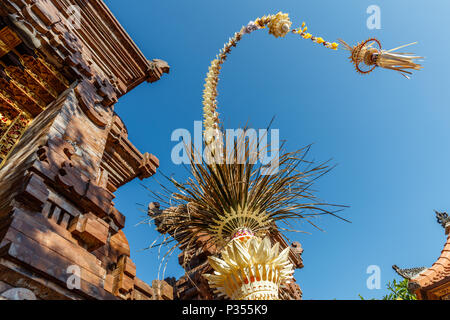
[443,219]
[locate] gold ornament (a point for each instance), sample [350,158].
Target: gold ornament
[223,228]
[233,205]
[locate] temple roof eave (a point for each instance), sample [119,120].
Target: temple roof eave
[439,271]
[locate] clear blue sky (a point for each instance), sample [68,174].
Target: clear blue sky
[389,136]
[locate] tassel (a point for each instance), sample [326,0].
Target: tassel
[368,55]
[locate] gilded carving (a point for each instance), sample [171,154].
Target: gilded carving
[8,40]
[12,134]
[32,87]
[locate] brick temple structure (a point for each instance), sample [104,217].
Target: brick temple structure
[64,152]
[432,283]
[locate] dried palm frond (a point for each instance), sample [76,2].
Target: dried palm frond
[223,196]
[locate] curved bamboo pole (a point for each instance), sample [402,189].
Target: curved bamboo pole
[364,54]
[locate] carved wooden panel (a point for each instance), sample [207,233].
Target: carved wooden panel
[8,40]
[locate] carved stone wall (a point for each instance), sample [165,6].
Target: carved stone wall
[60,235]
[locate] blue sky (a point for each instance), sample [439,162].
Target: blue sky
[388,135]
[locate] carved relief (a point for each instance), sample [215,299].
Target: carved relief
[70,179]
[92,231]
[63,205]
[90,102]
[56,163]
[8,41]
[12,134]
[157,68]
[19,294]
[122,160]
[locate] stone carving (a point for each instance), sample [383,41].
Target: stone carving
[442,218]
[90,102]
[296,247]
[19,294]
[157,68]
[57,190]
[92,231]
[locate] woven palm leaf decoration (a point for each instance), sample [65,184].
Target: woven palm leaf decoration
[235,208]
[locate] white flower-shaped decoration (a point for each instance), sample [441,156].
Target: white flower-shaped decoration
[250,270]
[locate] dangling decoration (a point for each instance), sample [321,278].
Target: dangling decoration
[368,55]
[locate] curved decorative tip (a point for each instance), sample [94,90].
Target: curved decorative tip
[368,55]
